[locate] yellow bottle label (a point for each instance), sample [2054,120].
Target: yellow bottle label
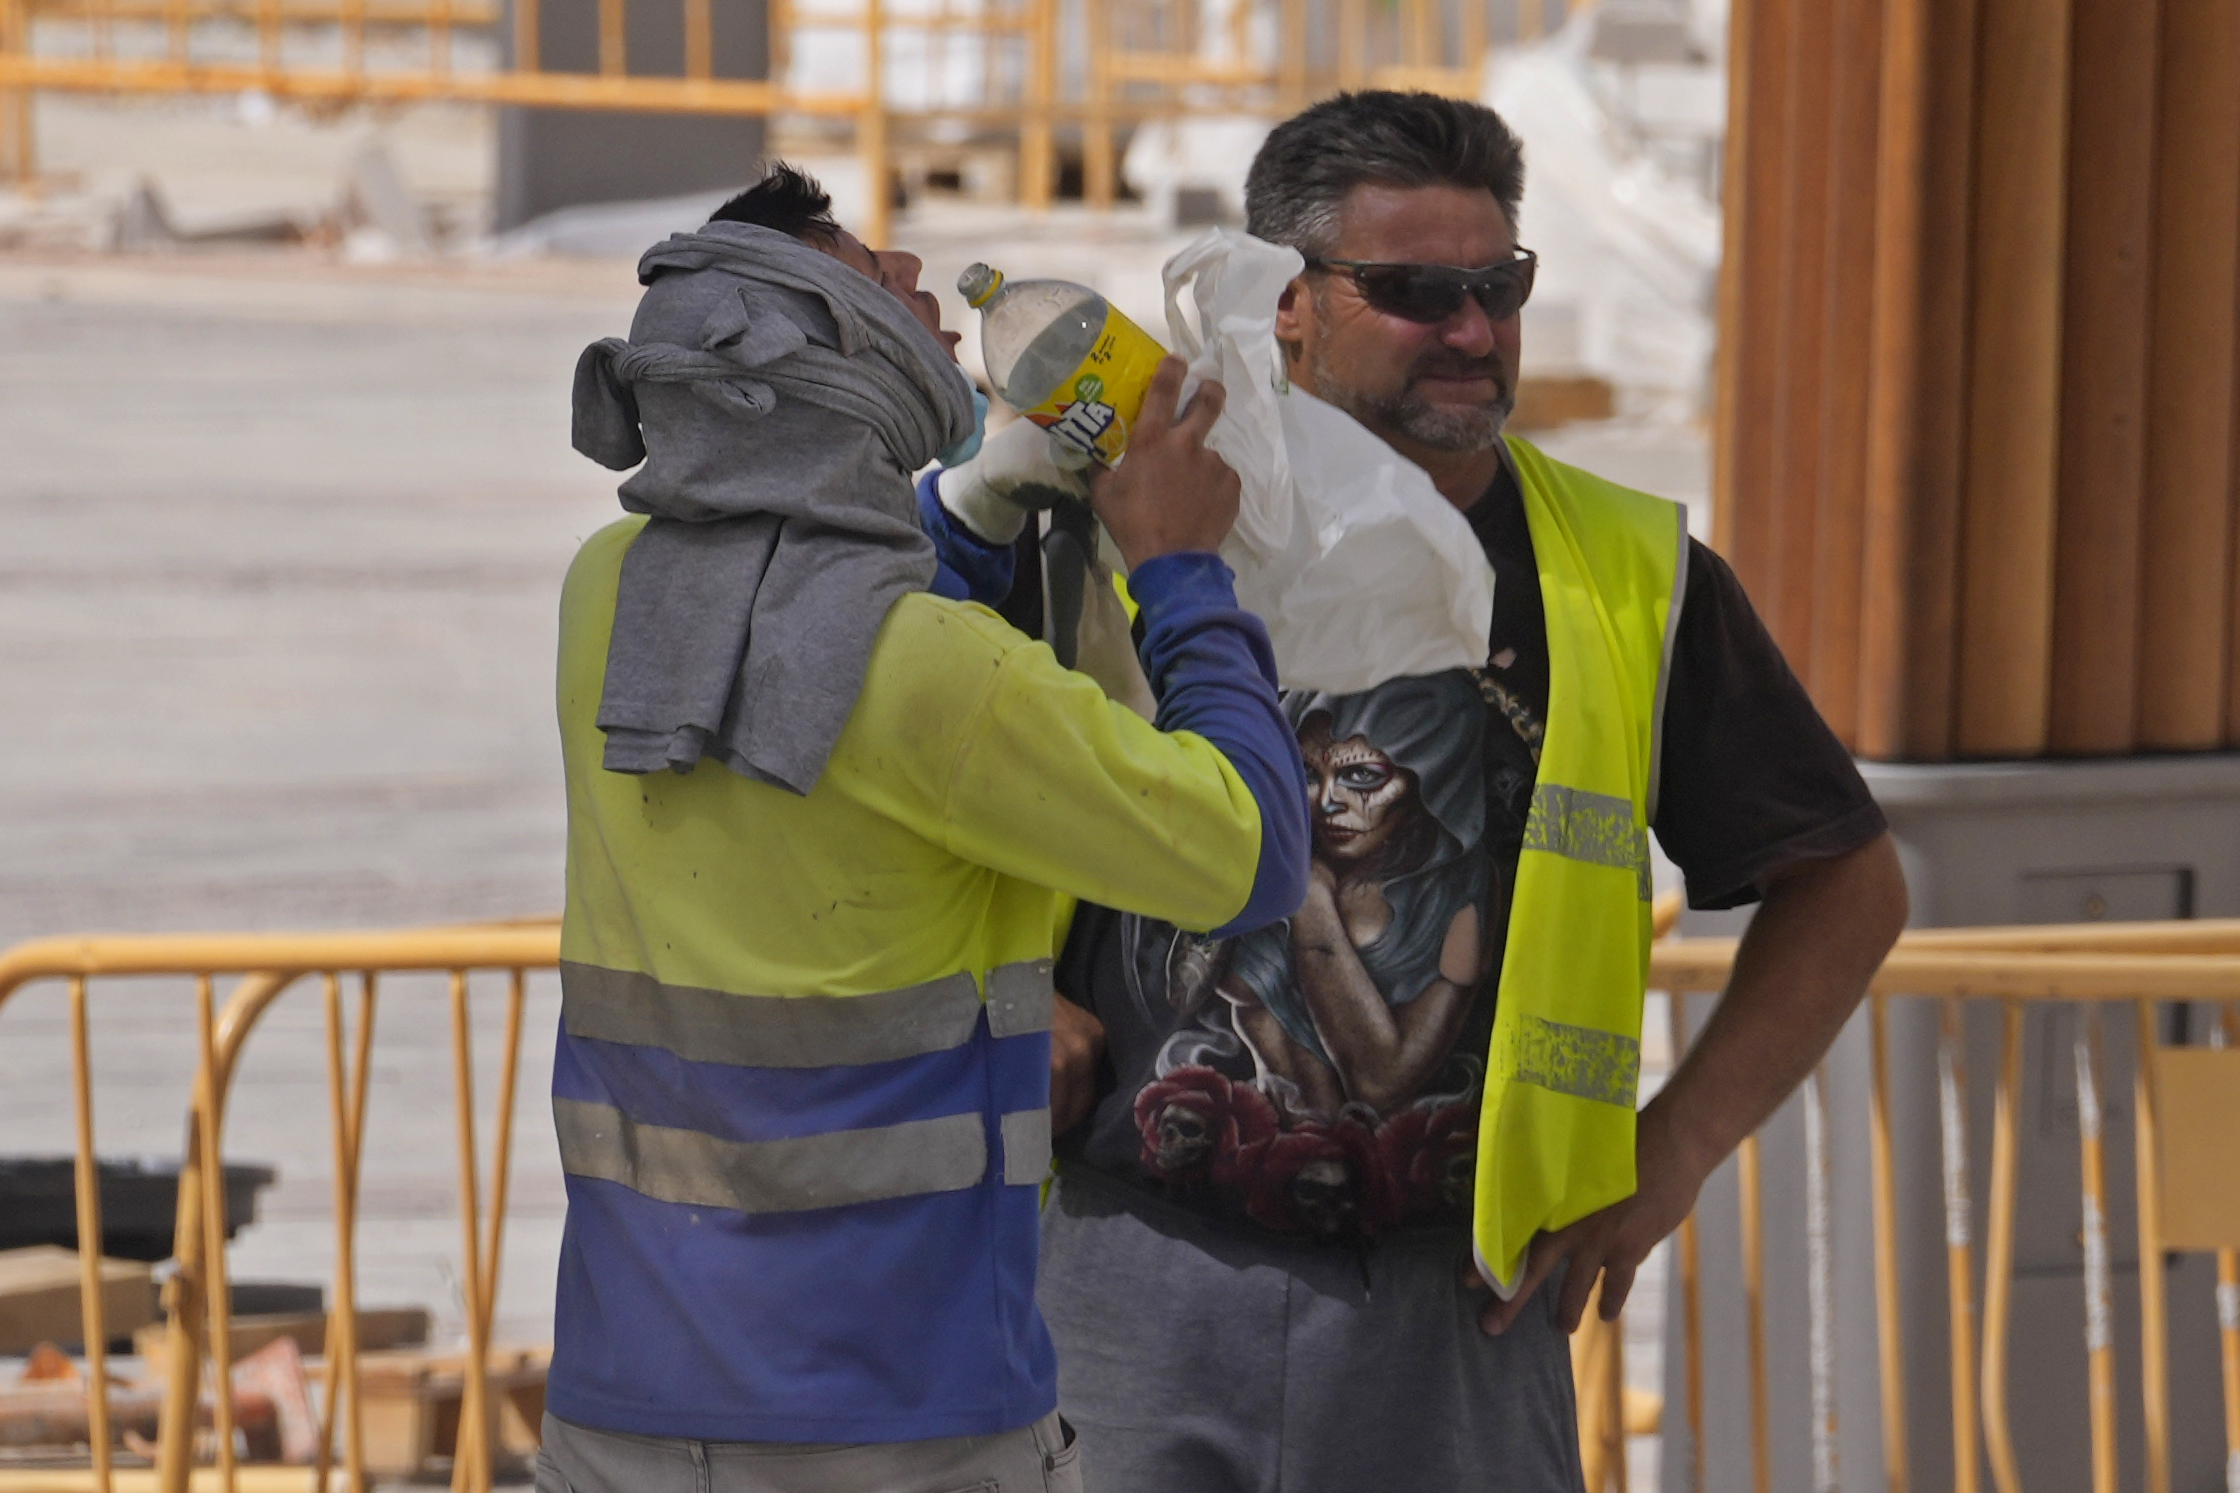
[1096,405]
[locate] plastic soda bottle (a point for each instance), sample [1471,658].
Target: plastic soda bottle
[1059,354]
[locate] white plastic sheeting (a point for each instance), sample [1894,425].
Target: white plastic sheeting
[1629,250]
[1208,152]
[1360,569]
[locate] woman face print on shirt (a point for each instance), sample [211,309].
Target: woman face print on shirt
[1322,1074]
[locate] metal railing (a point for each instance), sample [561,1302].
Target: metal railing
[196,1296]
[2142,966]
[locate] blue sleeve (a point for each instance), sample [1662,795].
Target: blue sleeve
[970,568]
[1210,664]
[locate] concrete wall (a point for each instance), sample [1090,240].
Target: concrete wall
[1982,844]
[549,159]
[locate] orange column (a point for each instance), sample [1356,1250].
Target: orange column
[2104,377]
[2187,519]
[1750,366]
[1917,379]
[1838,577]
[1785,593]
[2014,379]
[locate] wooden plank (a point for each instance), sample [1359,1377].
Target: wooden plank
[1839,533]
[2187,519]
[2014,379]
[1916,402]
[39,1300]
[1785,598]
[1742,448]
[2093,704]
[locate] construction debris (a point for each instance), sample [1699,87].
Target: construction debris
[47,1408]
[412,1406]
[389,1327]
[39,1297]
[139,1194]
[378,217]
[1543,403]
[275,1373]
[272,1406]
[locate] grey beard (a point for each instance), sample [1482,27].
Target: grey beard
[1441,430]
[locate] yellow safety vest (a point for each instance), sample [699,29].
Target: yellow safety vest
[802,1082]
[1556,1134]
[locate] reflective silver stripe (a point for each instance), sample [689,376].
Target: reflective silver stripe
[1026,1147]
[771,1176]
[1019,998]
[1576,1060]
[1591,827]
[1664,665]
[809,1031]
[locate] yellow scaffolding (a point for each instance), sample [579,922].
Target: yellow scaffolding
[1138,60]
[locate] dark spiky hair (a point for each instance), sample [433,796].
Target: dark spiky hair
[1312,161]
[788,200]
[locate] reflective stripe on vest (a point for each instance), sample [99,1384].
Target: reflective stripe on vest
[801,1031]
[1591,827]
[943,1153]
[1556,1133]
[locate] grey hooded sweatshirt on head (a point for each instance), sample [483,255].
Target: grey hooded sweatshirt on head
[780,402]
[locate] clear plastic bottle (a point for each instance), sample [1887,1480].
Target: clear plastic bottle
[1062,356]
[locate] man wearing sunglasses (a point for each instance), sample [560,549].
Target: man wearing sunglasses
[1267,1259]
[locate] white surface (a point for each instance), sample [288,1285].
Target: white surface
[1629,250]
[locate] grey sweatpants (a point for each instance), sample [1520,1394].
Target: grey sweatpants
[1199,1359]
[1041,1458]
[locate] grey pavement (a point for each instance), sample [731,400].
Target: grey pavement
[282,546]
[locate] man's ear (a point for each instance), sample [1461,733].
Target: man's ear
[1293,309]
[1294,319]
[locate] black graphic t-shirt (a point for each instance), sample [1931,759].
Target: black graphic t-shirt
[1322,1077]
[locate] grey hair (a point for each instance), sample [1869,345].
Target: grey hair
[1310,163]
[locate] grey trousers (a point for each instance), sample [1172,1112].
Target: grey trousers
[1041,1458]
[1200,1359]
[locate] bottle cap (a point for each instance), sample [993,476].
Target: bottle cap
[979,284]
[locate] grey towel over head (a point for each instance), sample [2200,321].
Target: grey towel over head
[780,401]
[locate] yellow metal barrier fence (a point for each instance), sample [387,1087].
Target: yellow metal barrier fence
[196,1293]
[2143,966]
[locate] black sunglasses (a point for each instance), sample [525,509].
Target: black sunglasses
[1431,293]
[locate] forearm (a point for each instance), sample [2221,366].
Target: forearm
[1801,970]
[1210,665]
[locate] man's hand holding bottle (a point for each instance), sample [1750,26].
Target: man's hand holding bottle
[1170,493]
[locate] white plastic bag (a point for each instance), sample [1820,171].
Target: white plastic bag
[1360,569]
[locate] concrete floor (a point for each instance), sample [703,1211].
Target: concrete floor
[283,543]
[277,610]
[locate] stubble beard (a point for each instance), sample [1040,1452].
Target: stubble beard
[1411,415]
